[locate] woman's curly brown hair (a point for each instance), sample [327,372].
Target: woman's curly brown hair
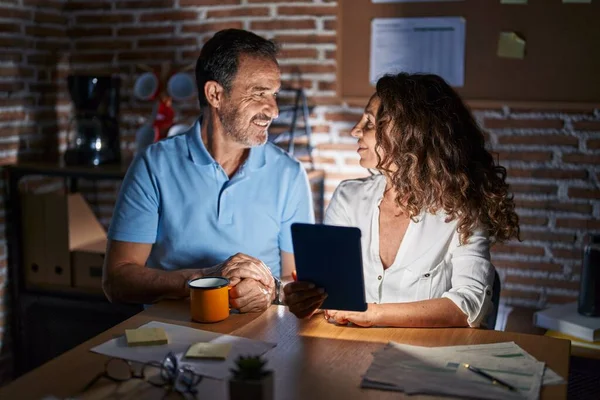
[426,132]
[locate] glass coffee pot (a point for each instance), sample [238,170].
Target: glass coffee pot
[94,129]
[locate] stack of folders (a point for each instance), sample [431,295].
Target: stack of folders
[566,323]
[497,371]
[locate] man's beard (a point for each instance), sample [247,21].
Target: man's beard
[233,124]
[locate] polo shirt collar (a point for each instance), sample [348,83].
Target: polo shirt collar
[200,155]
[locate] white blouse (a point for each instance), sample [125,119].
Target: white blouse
[430,262]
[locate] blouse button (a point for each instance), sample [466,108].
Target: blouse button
[426,275]
[379,277]
[487,292]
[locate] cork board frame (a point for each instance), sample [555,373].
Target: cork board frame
[561,65]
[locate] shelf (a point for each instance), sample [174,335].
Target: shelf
[65,291]
[108,171]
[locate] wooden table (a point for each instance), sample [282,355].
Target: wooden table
[313,359]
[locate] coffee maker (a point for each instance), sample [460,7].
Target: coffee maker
[94,128]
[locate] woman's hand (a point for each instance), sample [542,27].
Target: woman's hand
[303,298]
[365,319]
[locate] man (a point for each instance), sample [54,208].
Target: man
[216,200]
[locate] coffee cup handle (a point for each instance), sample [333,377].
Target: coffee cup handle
[228,289]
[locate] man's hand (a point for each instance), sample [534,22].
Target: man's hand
[250,296]
[241,266]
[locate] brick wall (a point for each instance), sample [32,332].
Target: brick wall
[552,155]
[32,39]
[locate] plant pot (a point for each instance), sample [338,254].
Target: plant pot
[252,389]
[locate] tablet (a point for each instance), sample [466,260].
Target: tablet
[331,258]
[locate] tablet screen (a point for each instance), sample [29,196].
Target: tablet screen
[331,258]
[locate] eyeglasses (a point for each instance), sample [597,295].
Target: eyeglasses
[168,374]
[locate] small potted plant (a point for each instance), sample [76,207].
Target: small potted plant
[251,380]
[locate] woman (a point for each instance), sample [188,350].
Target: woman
[427,219]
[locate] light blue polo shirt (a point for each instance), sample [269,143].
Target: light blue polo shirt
[177,197]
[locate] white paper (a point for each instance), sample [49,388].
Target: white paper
[565,318]
[180,339]
[433,45]
[510,349]
[440,371]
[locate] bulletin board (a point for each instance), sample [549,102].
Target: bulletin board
[561,63]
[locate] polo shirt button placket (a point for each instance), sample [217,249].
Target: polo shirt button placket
[380,279]
[225,215]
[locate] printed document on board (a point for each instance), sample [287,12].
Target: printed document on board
[429,45]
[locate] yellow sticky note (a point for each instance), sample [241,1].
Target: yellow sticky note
[513,1]
[510,45]
[577,1]
[209,350]
[146,337]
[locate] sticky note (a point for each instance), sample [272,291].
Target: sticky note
[217,351]
[146,337]
[510,45]
[513,1]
